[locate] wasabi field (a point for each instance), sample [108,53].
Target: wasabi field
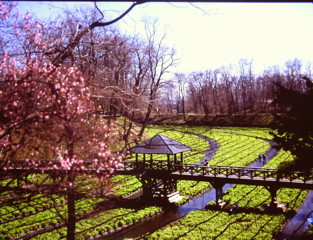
[39,216]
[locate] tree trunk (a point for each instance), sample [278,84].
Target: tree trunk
[145,123]
[183,108]
[71,220]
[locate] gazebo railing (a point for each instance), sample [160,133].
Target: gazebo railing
[155,165]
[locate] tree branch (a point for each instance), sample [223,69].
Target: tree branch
[68,50]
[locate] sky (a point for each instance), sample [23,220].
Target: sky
[209,35]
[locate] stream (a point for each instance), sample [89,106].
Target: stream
[297,226]
[292,230]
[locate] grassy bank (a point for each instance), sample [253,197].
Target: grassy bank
[238,120]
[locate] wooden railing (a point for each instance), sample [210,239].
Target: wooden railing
[45,166]
[191,169]
[155,165]
[244,172]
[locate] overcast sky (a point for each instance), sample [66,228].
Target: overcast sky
[209,35]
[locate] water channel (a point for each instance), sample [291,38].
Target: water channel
[292,230]
[295,228]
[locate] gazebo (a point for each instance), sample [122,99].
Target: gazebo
[160,144]
[155,179]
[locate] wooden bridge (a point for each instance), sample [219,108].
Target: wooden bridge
[218,175]
[160,177]
[223,174]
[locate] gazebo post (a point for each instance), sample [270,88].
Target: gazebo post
[136,161]
[175,159]
[151,159]
[144,160]
[181,157]
[168,162]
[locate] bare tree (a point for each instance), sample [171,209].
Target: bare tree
[159,59]
[61,54]
[181,80]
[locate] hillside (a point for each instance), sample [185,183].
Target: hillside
[247,120]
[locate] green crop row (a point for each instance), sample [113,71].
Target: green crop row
[103,223]
[28,206]
[192,188]
[128,186]
[241,151]
[45,216]
[219,225]
[252,132]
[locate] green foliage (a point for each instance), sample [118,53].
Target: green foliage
[125,185]
[236,147]
[294,125]
[192,188]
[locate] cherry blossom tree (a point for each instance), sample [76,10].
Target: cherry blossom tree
[48,119]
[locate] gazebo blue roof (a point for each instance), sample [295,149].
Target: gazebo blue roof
[160,144]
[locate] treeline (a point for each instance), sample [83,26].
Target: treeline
[236,89]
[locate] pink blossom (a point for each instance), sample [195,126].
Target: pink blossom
[36,91]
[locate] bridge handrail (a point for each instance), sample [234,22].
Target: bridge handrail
[204,170]
[89,165]
[238,171]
